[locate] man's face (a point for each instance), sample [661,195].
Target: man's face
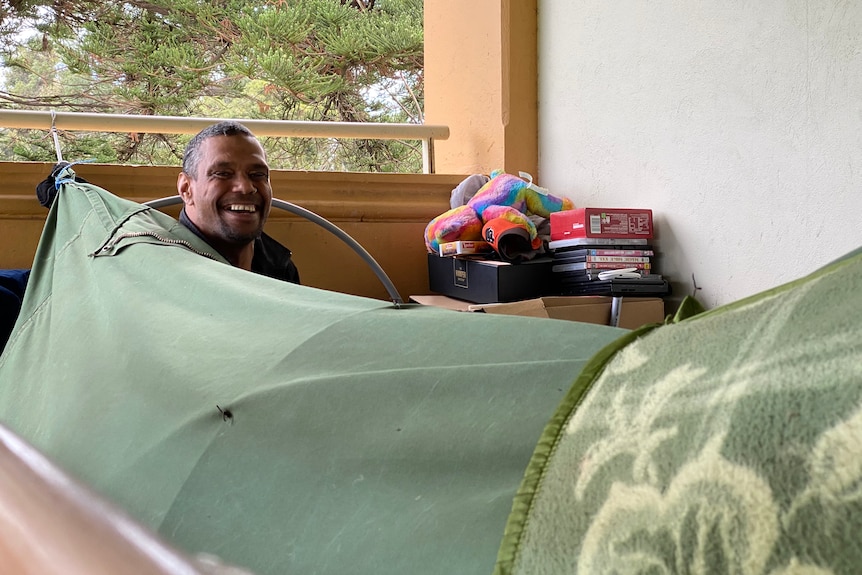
[229,197]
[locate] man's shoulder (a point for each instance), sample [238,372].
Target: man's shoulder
[273,259]
[272,245]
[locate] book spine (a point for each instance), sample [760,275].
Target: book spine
[587,266]
[619,259]
[584,243]
[616,266]
[616,253]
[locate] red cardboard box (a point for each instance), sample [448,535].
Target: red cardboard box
[601,223]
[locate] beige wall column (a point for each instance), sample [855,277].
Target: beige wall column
[480,80]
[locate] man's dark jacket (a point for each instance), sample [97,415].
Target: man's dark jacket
[270,258]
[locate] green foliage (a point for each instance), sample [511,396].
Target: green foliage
[319,60]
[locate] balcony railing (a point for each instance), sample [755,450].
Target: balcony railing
[79,121]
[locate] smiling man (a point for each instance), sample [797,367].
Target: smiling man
[224,185]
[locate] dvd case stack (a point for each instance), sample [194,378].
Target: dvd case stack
[606,266]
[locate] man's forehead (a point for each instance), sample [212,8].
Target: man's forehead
[233,150]
[221,162]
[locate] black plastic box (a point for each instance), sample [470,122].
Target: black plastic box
[490,281]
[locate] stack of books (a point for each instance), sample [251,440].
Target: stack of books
[606,266]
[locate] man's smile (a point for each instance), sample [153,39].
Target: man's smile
[241,208]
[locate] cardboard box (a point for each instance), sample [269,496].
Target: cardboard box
[443,301]
[463,247]
[620,223]
[490,281]
[633,311]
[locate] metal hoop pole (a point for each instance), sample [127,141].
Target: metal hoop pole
[326,224]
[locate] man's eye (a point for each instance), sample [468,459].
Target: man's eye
[260,175]
[221,174]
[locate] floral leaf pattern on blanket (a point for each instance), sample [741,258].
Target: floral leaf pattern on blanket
[730,442]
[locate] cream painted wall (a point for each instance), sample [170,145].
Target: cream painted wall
[739,123]
[463,78]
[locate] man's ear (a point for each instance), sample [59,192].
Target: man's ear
[184,187]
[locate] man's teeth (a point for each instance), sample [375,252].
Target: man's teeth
[242,208]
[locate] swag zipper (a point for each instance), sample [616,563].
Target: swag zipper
[110,246]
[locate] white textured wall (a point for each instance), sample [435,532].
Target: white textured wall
[738,122]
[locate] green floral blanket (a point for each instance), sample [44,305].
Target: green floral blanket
[729,442]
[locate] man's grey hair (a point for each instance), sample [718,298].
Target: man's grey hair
[191,156]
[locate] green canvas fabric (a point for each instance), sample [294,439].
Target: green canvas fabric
[727,442]
[361,438]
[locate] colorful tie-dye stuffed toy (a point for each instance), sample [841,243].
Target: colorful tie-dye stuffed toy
[503,196]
